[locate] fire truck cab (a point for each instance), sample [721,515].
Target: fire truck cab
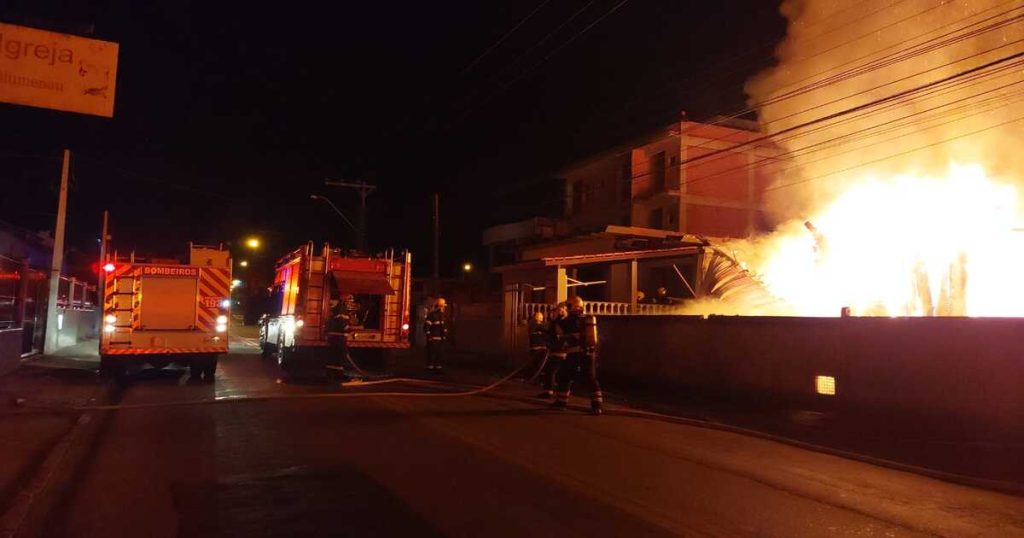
[159,311]
[373,292]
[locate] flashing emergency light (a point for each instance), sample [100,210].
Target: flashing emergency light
[108,267]
[221,320]
[222,328]
[405,326]
[110,318]
[108,329]
[226,303]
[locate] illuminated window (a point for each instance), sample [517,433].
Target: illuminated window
[825,384]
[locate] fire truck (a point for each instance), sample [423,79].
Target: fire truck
[162,311]
[373,290]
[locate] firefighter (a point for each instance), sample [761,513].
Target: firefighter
[336,326]
[662,297]
[556,353]
[580,359]
[538,335]
[437,332]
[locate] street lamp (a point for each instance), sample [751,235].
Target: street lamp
[243,263]
[336,210]
[253,243]
[467,267]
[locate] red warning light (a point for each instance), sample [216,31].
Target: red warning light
[108,267]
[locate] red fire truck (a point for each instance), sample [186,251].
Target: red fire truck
[374,291]
[159,311]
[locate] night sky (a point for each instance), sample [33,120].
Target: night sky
[228,115]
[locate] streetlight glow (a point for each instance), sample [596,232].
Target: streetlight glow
[252,243]
[467,267]
[243,263]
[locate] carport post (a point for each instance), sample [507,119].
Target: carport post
[562,286]
[632,285]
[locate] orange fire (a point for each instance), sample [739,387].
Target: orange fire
[902,245]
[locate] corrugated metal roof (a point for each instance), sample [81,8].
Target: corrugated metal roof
[603,257]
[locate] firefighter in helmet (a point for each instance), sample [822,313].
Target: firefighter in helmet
[555,351]
[434,326]
[579,333]
[338,346]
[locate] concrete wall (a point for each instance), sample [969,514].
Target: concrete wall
[77,325]
[10,349]
[963,368]
[478,329]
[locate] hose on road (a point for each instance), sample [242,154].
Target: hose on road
[315,396]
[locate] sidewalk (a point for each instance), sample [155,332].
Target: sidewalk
[26,436]
[933,443]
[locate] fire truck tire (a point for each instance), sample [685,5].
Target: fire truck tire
[284,355]
[266,348]
[112,367]
[209,363]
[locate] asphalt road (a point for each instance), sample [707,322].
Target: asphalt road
[467,466]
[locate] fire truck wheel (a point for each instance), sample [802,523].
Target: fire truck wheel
[112,367]
[209,366]
[284,355]
[266,348]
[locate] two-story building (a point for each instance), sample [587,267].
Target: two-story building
[703,179]
[648,214]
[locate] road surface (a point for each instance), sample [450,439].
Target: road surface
[464,466]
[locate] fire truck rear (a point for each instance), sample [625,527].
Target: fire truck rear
[160,311]
[373,291]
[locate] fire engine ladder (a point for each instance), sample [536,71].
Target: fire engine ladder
[391,321]
[316,274]
[126,288]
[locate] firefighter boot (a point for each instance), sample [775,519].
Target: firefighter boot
[561,401]
[596,399]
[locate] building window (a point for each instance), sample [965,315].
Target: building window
[626,179]
[654,218]
[673,160]
[577,197]
[658,171]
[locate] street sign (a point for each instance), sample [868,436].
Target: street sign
[59,71]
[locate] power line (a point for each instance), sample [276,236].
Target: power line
[504,37]
[807,88]
[524,73]
[900,154]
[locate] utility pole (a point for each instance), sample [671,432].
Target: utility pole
[50,340]
[103,259]
[437,242]
[364,190]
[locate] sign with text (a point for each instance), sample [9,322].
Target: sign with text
[170,271]
[59,71]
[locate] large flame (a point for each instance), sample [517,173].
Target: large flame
[869,103]
[901,245]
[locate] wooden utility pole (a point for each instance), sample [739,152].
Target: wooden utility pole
[57,260]
[364,190]
[103,258]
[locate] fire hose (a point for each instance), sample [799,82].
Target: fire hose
[277,397]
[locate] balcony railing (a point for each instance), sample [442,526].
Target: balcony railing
[605,308]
